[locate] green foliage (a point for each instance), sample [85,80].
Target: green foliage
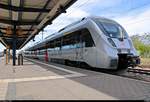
[143,49]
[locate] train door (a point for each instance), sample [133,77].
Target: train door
[80,48]
[59,45]
[46,55]
[35,54]
[38,52]
[81,51]
[86,45]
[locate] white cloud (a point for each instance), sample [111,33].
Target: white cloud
[132,23]
[66,19]
[77,12]
[136,24]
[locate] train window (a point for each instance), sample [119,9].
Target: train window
[50,49]
[78,45]
[54,44]
[57,48]
[78,39]
[87,38]
[57,44]
[42,52]
[111,29]
[66,47]
[51,44]
[68,41]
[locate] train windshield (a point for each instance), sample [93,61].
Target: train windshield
[112,30]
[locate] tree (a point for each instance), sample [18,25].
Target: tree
[143,49]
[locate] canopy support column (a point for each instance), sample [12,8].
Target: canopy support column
[14,46]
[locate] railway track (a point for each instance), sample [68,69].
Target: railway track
[133,73]
[140,71]
[138,74]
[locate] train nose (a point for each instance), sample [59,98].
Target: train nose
[121,44]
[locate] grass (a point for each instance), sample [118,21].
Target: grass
[145,62]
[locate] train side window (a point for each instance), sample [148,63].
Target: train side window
[69,41]
[87,38]
[78,39]
[58,44]
[54,44]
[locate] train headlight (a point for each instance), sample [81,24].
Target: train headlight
[111,42]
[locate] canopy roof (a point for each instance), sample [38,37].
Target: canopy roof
[28,17]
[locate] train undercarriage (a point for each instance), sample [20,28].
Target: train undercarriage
[127,60]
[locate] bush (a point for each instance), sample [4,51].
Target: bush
[143,49]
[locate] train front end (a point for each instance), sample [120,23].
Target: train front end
[127,55]
[119,45]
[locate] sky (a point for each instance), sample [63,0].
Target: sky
[133,15]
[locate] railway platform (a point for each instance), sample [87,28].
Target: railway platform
[37,80]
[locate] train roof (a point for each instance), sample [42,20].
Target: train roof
[61,31]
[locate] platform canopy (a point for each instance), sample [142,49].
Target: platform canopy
[23,19]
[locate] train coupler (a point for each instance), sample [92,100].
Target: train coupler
[133,61]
